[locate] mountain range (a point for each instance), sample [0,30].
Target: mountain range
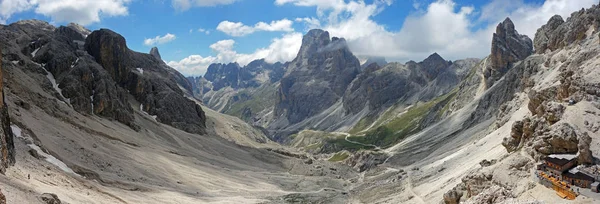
[85,119]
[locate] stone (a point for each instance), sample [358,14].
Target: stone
[452,197]
[50,198]
[585,154]
[2,197]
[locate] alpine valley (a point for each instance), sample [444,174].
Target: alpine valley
[85,119]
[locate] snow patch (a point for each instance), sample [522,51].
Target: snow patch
[50,77]
[563,156]
[140,70]
[142,109]
[53,160]
[35,52]
[92,98]
[49,158]
[15,62]
[16,131]
[74,63]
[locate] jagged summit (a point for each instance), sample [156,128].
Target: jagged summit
[558,33]
[80,29]
[154,52]
[508,46]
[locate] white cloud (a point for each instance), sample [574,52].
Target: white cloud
[8,8]
[203,31]
[280,50]
[310,22]
[239,29]
[159,39]
[442,26]
[529,17]
[453,30]
[183,5]
[83,12]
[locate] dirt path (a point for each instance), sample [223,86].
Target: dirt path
[355,142]
[410,187]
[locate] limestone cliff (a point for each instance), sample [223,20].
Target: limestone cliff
[7,146]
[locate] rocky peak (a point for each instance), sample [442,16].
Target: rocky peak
[158,87]
[433,65]
[80,29]
[101,42]
[313,41]
[315,79]
[154,52]
[508,46]
[36,24]
[558,33]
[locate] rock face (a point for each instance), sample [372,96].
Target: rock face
[7,146]
[546,131]
[508,46]
[154,52]
[316,78]
[156,86]
[252,75]
[557,33]
[379,87]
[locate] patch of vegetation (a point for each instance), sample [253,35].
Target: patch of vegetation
[246,103]
[340,156]
[339,143]
[397,129]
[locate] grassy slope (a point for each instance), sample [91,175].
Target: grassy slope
[260,98]
[388,134]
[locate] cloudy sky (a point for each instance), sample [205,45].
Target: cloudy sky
[192,34]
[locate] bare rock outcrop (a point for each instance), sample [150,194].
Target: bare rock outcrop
[364,160]
[508,46]
[154,52]
[50,198]
[558,33]
[561,139]
[7,146]
[452,197]
[158,87]
[585,154]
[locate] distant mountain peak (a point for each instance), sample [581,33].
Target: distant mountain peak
[317,40]
[80,29]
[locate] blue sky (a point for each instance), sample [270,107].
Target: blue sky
[191,34]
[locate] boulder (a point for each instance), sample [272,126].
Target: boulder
[585,154]
[561,139]
[50,198]
[452,197]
